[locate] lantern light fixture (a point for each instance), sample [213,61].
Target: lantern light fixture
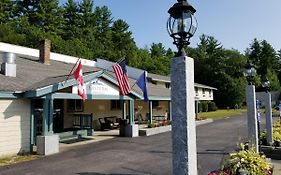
[250,72]
[181,24]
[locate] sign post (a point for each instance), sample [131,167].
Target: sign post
[259,121]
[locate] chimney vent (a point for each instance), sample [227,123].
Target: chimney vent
[45,50]
[9,67]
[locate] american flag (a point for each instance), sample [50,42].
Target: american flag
[122,77]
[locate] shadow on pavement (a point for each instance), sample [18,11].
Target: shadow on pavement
[209,151]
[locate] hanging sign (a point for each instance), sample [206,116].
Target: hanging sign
[101,87]
[98,87]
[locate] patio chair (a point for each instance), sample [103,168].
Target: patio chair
[104,124]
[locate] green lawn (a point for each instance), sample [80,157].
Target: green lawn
[221,113]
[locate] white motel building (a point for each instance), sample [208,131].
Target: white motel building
[36,101]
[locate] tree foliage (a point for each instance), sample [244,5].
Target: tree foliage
[267,62]
[84,30]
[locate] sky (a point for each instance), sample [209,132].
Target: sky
[233,23]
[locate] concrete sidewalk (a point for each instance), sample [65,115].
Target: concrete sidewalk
[277,167]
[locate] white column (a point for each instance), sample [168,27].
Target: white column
[183,110]
[251,114]
[268,116]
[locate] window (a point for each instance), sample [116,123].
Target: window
[210,93]
[115,104]
[203,92]
[167,85]
[196,91]
[75,105]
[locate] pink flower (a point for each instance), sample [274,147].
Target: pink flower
[213,173]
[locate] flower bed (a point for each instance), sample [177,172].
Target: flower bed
[245,162]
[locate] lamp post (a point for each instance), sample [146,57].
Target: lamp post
[181,24]
[268,111]
[251,106]
[181,27]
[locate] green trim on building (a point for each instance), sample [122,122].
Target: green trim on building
[156,98]
[132,111]
[8,95]
[58,86]
[60,95]
[61,85]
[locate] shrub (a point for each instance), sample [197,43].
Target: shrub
[199,107]
[151,125]
[212,106]
[276,134]
[204,106]
[247,161]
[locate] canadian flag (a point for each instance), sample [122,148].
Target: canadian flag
[78,75]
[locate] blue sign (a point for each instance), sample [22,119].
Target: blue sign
[258,110]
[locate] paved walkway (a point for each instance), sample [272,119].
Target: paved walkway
[98,136]
[277,167]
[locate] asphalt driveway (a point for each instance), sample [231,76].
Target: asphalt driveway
[138,156]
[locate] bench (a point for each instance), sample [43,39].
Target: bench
[158,118]
[109,122]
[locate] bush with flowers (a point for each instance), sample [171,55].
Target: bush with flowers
[245,162]
[276,135]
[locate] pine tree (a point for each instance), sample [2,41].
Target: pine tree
[71,20]
[6,11]
[124,45]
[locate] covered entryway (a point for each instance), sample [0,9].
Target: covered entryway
[59,111]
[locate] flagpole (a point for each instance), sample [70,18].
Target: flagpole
[134,84]
[70,72]
[137,80]
[106,69]
[103,70]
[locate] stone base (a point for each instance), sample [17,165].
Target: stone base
[47,145]
[272,152]
[132,130]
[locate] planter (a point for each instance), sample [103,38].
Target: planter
[153,131]
[272,152]
[277,143]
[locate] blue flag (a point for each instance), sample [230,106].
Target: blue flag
[141,82]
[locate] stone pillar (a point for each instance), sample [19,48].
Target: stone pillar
[268,116]
[132,112]
[251,114]
[183,109]
[124,109]
[48,143]
[132,130]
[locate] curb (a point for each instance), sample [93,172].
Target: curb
[162,129]
[203,122]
